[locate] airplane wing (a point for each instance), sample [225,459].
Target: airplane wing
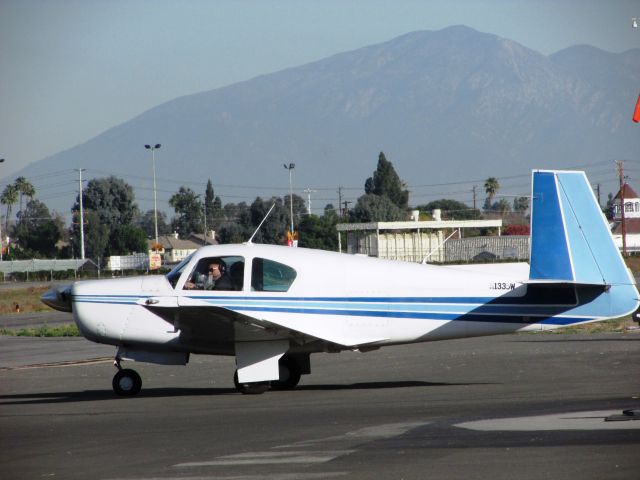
[218,325]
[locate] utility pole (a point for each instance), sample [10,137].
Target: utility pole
[598,194]
[620,165]
[346,207]
[474,200]
[340,201]
[308,191]
[204,205]
[80,170]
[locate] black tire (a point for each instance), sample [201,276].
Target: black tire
[251,388]
[289,374]
[127,383]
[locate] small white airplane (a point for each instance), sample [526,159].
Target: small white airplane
[281,304]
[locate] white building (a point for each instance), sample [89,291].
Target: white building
[411,241]
[631,219]
[176,249]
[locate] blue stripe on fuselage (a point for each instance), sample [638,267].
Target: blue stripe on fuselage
[473,309]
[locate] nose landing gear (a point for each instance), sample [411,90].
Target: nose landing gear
[126,382]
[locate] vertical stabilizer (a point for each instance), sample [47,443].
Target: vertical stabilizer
[570,237]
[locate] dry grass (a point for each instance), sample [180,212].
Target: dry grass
[28,299]
[623,324]
[44,331]
[633,263]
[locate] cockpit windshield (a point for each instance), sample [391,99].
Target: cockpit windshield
[174,275]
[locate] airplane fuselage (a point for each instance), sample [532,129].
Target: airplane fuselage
[272,306]
[355,310]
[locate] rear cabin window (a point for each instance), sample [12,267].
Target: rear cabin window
[270,276]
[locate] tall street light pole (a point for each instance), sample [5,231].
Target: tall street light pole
[80,170]
[290,167]
[155,201]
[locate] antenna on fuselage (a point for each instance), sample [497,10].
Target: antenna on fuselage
[265,217]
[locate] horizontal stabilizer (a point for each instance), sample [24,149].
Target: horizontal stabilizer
[562,282]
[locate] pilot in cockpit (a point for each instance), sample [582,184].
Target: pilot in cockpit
[215,278]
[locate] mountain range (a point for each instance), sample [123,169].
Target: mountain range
[445,106]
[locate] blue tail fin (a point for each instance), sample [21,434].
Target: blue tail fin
[570,237]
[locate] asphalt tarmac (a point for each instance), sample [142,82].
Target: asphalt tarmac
[516,406]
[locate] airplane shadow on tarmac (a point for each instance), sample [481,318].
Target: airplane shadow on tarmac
[102,395]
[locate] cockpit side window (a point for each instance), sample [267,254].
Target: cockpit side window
[217,273]
[270,276]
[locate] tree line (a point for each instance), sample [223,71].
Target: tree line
[114,225]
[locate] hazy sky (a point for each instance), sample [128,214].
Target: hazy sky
[72,69]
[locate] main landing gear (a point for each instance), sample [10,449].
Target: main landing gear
[250,388]
[126,382]
[290,373]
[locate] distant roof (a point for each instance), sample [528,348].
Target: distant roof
[628,192]
[631,226]
[170,242]
[199,238]
[411,225]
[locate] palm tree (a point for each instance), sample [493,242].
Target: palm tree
[24,188]
[491,187]
[9,197]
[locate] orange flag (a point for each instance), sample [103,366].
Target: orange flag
[636,113]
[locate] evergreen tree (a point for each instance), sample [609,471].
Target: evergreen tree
[451,209]
[112,199]
[188,208]
[376,208]
[385,181]
[520,204]
[96,236]
[274,227]
[319,232]
[37,231]
[236,225]
[213,208]
[241,220]
[147,223]
[125,240]
[502,206]
[608,209]
[109,205]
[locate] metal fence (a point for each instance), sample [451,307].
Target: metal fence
[487,249]
[8,267]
